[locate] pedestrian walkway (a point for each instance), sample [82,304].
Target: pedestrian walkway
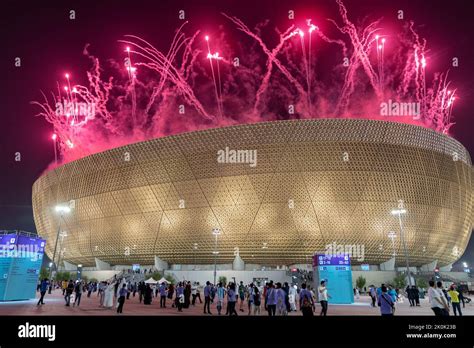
[54,305]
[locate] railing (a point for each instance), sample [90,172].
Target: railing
[18,232]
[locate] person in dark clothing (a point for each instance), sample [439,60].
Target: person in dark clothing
[306,301]
[170,294]
[416,295]
[286,289]
[187,295]
[129,289]
[78,293]
[141,291]
[135,288]
[116,288]
[90,288]
[162,289]
[121,300]
[69,290]
[271,299]
[207,298]
[231,300]
[43,288]
[461,298]
[179,300]
[148,295]
[410,295]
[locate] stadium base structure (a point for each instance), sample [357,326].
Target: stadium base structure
[276,192]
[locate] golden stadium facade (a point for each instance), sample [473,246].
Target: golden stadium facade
[315,182]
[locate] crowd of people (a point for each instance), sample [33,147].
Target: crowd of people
[276,299]
[439,297]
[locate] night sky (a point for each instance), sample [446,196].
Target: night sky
[49,44]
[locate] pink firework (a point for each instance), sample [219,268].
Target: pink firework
[203,82]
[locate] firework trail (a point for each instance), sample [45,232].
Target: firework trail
[272,59]
[140,107]
[215,56]
[164,67]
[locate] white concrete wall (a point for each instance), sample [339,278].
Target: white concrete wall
[99,275]
[375,278]
[459,276]
[245,276]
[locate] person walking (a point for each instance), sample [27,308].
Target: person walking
[271,300]
[64,285]
[121,299]
[198,292]
[179,297]
[392,293]
[141,291]
[292,298]
[78,293]
[250,298]
[101,293]
[280,300]
[461,298]
[69,290]
[386,303]
[187,295]
[306,301]
[231,300]
[410,295]
[286,289]
[444,295]
[323,298]
[43,288]
[90,288]
[242,295]
[454,294]
[256,301]
[416,295]
[147,298]
[163,295]
[109,295]
[116,287]
[213,293]
[129,289]
[170,294]
[194,293]
[220,297]
[373,295]
[207,298]
[437,301]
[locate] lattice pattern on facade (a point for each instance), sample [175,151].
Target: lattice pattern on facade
[128,211]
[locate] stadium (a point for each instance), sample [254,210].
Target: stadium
[311,183]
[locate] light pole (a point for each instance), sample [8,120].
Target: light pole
[54,137]
[399,212]
[392,235]
[63,235]
[195,246]
[216,232]
[61,209]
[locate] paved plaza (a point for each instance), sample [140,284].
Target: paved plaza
[54,305]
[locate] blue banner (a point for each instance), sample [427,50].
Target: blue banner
[337,272]
[20,263]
